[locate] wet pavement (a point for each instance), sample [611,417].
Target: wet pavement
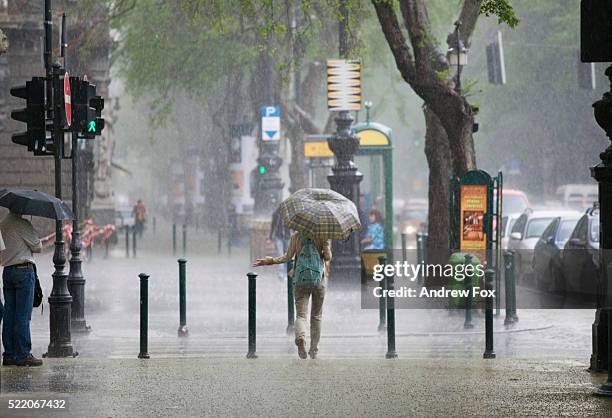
[539,369]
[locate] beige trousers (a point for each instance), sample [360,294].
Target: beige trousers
[302,295]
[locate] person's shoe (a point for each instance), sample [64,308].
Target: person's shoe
[312,355]
[30,361]
[6,361]
[301,345]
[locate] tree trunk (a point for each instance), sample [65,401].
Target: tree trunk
[438,158]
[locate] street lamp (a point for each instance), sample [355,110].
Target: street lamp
[457,56]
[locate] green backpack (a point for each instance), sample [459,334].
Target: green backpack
[308,270]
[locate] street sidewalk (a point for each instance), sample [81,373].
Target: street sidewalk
[291,387]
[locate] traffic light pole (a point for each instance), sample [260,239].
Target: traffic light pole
[60,344]
[76,280]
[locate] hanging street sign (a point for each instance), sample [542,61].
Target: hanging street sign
[270,123]
[343,85]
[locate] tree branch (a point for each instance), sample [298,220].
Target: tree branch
[468,18]
[395,39]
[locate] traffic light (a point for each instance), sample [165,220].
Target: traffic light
[262,169]
[33,115]
[86,108]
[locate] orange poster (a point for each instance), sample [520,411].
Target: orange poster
[473,209]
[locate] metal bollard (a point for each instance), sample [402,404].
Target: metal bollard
[290,301]
[144,315]
[182,330]
[154,225]
[184,239]
[606,388]
[382,301]
[513,288]
[391,352]
[489,351]
[468,300]
[404,247]
[134,242]
[174,239]
[106,244]
[127,241]
[219,241]
[508,280]
[252,315]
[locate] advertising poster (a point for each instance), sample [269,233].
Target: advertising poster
[473,209]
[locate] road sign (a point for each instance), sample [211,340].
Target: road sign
[343,85]
[67,100]
[270,123]
[317,149]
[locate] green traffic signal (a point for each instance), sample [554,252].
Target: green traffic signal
[262,169]
[91,126]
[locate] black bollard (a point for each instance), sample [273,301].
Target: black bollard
[106,244]
[468,300]
[489,351]
[182,330]
[252,315]
[404,247]
[290,301]
[184,239]
[508,280]
[391,352]
[134,242]
[127,241]
[144,315]
[606,388]
[382,301]
[174,239]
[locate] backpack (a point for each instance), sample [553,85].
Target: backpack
[308,270]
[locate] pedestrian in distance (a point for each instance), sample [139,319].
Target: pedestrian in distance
[310,273]
[140,217]
[375,236]
[279,236]
[18,278]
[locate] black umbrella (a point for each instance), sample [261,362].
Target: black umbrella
[35,203]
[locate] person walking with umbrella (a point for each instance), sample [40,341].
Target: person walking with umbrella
[19,274]
[317,216]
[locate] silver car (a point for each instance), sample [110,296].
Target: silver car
[525,234]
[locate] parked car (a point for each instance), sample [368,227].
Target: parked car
[124,217]
[412,219]
[514,202]
[526,232]
[548,249]
[578,196]
[580,257]
[506,226]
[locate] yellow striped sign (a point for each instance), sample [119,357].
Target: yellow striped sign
[343,85]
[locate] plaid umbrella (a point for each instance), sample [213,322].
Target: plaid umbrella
[320,213]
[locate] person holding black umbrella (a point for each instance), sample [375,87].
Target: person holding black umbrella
[18,278]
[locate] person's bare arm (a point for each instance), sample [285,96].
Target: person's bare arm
[291,250]
[326,252]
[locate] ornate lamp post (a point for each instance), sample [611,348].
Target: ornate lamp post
[457,56]
[345,177]
[602,172]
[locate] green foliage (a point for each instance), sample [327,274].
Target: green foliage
[502,9]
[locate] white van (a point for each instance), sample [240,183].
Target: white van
[578,196]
